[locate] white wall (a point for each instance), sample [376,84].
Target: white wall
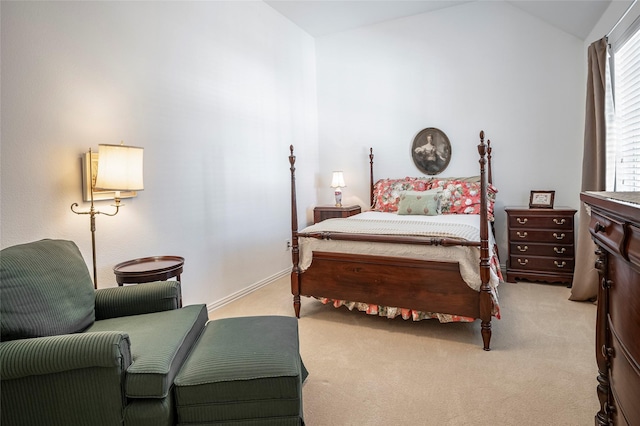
[478,66]
[214,91]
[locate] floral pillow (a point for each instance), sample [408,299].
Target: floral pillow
[426,203]
[386,192]
[459,197]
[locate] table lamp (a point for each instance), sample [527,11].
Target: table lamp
[337,182]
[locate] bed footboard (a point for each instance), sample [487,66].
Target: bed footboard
[425,285]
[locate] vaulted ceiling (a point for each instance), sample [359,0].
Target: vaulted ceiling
[322,17]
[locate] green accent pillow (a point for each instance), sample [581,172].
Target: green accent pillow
[46,290]
[426,203]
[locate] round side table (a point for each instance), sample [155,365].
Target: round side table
[147,269]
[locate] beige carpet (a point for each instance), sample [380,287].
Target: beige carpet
[367,370]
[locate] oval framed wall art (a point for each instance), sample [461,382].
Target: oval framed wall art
[431,151]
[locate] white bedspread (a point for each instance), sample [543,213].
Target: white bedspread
[379,223]
[466,227]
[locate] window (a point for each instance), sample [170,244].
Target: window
[623,121]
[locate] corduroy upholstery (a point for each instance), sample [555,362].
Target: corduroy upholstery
[80,376]
[33,277]
[243,371]
[72,379]
[162,342]
[116,302]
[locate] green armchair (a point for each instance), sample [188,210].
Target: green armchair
[72,355]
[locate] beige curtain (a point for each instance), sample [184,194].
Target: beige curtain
[585,278]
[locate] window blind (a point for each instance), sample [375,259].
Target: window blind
[627,114]
[610,118]
[622,103]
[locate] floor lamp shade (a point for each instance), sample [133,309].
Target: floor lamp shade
[120,168]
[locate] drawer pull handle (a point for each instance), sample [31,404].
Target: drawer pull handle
[522,221]
[523,262]
[559,222]
[608,352]
[559,237]
[609,409]
[560,250]
[523,249]
[523,235]
[599,227]
[560,264]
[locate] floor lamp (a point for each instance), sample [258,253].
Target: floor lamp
[119,169]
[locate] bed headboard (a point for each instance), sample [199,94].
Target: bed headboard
[372,182]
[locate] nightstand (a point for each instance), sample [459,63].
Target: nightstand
[541,244]
[321,213]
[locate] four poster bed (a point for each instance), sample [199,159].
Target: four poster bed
[425,250]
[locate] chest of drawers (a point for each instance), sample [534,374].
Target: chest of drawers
[541,244]
[614,225]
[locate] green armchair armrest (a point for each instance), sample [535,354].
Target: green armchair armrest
[57,354]
[52,380]
[138,299]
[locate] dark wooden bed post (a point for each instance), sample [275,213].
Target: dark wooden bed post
[489,160]
[295,251]
[485,289]
[371,177]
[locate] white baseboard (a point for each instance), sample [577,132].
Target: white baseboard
[247,290]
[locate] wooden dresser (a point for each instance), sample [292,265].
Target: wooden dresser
[615,227]
[541,244]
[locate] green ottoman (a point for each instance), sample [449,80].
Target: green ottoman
[243,371]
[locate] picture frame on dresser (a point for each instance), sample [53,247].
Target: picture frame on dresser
[541,199]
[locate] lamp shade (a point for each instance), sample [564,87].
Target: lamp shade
[119,168]
[338,180]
